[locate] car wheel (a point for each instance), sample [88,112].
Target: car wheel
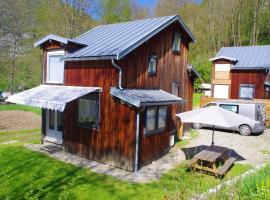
[197,125]
[244,130]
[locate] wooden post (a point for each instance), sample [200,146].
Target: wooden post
[180,130]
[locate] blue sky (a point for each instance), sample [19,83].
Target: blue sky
[151,3]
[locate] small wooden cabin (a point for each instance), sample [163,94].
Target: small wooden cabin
[241,73]
[110,94]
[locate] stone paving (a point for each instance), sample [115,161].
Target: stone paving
[253,150]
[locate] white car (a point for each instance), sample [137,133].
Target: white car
[252,110]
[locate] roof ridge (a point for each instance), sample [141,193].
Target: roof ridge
[265,45]
[150,18]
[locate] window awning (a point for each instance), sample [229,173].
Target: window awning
[145,97]
[51,96]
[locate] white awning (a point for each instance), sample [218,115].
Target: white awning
[51,96]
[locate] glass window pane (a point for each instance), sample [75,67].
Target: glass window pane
[51,119]
[233,108]
[176,43]
[152,67]
[246,91]
[151,119]
[88,111]
[162,115]
[59,121]
[55,69]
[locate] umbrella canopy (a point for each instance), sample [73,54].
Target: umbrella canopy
[215,116]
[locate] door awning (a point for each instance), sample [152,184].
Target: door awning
[143,97]
[51,96]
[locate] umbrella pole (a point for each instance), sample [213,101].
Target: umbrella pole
[213,135]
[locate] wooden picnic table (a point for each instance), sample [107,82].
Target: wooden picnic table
[206,160]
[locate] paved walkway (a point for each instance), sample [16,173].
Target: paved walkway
[247,149]
[148,173]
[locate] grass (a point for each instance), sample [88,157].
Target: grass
[192,134]
[20,107]
[20,136]
[196,99]
[25,174]
[265,151]
[256,186]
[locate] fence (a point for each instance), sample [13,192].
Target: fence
[204,100]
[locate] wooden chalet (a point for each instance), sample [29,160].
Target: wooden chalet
[241,73]
[110,94]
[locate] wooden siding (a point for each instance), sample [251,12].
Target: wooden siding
[113,143]
[256,77]
[170,68]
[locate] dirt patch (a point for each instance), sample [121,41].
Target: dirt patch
[18,120]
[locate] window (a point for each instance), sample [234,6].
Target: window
[55,120]
[152,65]
[233,108]
[246,91]
[88,111]
[156,117]
[175,88]
[176,43]
[55,67]
[210,105]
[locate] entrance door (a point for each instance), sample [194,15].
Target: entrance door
[54,126]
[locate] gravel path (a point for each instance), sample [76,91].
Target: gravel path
[13,120]
[254,149]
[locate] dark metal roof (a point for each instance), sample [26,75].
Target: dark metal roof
[55,38]
[114,41]
[247,57]
[194,72]
[143,97]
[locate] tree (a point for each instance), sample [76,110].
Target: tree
[113,11]
[16,28]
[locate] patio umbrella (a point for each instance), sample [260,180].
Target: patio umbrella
[215,116]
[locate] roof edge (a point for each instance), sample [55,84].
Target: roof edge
[223,57]
[57,38]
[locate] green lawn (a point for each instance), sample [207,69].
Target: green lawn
[20,107]
[253,187]
[196,99]
[25,174]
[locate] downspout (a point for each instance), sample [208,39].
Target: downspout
[137,141]
[120,74]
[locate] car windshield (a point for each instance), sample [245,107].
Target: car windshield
[209,105]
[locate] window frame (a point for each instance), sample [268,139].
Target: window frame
[176,34]
[156,129]
[97,120]
[247,85]
[150,56]
[58,52]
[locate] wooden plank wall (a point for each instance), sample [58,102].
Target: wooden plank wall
[113,143]
[170,68]
[248,77]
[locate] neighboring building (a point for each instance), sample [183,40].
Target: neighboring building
[241,73]
[110,94]
[205,88]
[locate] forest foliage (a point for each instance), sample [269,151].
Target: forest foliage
[215,23]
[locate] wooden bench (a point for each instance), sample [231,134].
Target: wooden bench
[228,163]
[192,161]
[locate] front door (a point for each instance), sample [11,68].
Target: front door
[54,126]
